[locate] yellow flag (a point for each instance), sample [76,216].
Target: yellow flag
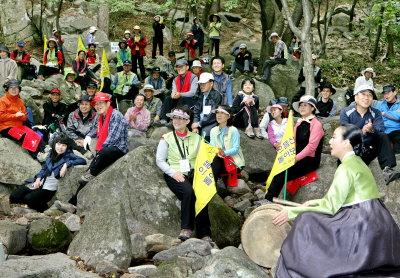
[105,69]
[81,46]
[203,182]
[45,45]
[286,156]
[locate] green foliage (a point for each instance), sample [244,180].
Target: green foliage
[389,18]
[120,5]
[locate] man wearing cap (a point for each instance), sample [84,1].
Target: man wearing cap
[389,106]
[222,81]
[197,68]
[302,79]
[70,91]
[204,116]
[123,55]
[243,60]
[80,122]
[22,58]
[365,78]
[375,140]
[191,47]
[91,36]
[157,82]
[280,56]
[158,36]
[184,88]
[152,104]
[326,106]
[54,111]
[137,44]
[91,89]
[8,67]
[125,83]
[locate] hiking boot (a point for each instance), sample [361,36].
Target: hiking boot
[249,132]
[86,177]
[257,133]
[390,174]
[185,234]
[65,206]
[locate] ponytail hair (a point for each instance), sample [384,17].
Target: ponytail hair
[354,135]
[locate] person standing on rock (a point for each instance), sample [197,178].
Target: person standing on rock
[111,131]
[137,43]
[214,33]
[280,57]
[8,67]
[91,36]
[198,33]
[365,78]
[222,81]
[158,36]
[43,186]
[347,233]
[52,60]
[176,156]
[191,48]
[22,58]
[375,140]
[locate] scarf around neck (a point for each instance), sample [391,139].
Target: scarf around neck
[102,128]
[186,83]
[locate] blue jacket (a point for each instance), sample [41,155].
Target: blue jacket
[69,157]
[391,119]
[349,115]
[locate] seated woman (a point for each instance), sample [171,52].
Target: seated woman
[81,67]
[13,114]
[351,227]
[276,127]
[309,135]
[227,139]
[52,60]
[176,156]
[138,117]
[245,106]
[43,187]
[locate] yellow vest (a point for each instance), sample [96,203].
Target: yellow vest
[239,158]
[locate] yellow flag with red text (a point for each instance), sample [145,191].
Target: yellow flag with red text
[105,69]
[203,181]
[286,154]
[44,45]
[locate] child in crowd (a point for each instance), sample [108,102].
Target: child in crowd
[43,187]
[245,107]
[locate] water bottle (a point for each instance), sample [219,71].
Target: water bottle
[2,256]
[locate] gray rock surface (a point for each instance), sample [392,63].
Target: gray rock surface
[178,268]
[145,270]
[72,221]
[240,189]
[16,165]
[48,266]
[341,19]
[229,262]
[13,236]
[68,185]
[158,242]
[139,251]
[48,235]
[104,236]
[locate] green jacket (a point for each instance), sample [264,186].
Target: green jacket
[214,30]
[128,56]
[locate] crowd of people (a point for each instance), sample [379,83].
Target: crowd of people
[193,102]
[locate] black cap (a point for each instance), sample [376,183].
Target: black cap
[85,98]
[388,88]
[92,84]
[156,69]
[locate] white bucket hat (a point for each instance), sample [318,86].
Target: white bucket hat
[92,29]
[196,63]
[306,99]
[369,70]
[274,34]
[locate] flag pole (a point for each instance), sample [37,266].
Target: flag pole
[284,187]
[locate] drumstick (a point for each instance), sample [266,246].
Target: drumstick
[286,203]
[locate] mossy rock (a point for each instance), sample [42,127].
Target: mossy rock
[225,223]
[48,235]
[176,267]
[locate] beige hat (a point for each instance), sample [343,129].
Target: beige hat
[205,78]
[137,27]
[196,63]
[274,34]
[92,29]
[369,70]
[127,32]
[306,99]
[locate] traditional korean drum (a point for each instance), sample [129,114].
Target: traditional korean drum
[262,240]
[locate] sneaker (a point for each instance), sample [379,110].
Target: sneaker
[390,174]
[65,206]
[249,132]
[206,238]
[262,202]
[257,133]
[185,234]
[86,177]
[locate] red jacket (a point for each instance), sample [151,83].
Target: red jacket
[9,106]
[91,57]
[142,44]
[26,57]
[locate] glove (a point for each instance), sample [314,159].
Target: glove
[86,142]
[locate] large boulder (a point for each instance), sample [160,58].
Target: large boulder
[68,185]
[13,236]
[263,91]
[48,235]
[283,80]
[104,236]
[16,165]
[340,19]
[329,125]
[56,265]
[230,262]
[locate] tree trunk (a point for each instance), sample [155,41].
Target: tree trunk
[172,27]
[353,7]
[41,17]
[390,43]
[297,15]
[327,20]
[103,18]
[206,12]
[378,37]
[306,39]
[59,9]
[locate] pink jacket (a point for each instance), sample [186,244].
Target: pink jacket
[142,121]
[316,133]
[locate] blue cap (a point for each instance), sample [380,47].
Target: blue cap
[22,44]
[127,62]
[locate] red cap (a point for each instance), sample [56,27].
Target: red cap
[57,91]
[100,96]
